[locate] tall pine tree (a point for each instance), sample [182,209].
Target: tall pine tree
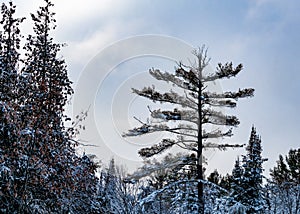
[194,108]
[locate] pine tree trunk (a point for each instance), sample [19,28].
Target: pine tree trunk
[199,150]
[200,173]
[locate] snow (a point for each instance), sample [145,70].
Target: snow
[26,131]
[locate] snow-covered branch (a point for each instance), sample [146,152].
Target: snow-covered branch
[147,128]
[216,134]
[223,71]
[221,146]
[190,76]
[169,97]
[220,103]
[242,93]
[218,118]
[167,77]
[157,149]
[148,169]
[183,115]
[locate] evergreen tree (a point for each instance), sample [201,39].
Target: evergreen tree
[12,155]
[236,185]
[214,177]
[283,189]
[251,183]
[288,169]
[84,198]
[194,109]
[39,169]
[225,182]
[220,180]
[49,146]
[10,38]
[246,193]
[169,180]
[115,193]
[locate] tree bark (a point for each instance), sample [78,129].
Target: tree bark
[200,146]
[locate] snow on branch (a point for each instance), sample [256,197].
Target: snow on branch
[220,103]
[156,149]
[223,71]
[167,77]
[222,147]
[138,131]
[188,76]
[147,128]
[166,144]
[147,170]
[166,115]
[186,115]
[188,160]
[218,118]
[151,197]
[242,93]
[216,134]
[170,97]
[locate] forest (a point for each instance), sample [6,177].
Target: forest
[41,170]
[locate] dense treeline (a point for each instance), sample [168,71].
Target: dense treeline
[163,187]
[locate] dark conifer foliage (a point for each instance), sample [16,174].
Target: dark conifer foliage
[39,169]
[236,179]
[10,38]
[283,189]
[252,176]
[12,155]
[287,170]
[246,188]
[214,177]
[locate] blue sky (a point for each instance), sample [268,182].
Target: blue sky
[261,34]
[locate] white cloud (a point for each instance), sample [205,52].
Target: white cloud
[82,51]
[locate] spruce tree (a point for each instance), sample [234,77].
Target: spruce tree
[214,177]
[251,182]
[283,189]
[115,193]
[194,108]
[236,185]
[288,169]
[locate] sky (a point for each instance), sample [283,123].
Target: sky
[111,44]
